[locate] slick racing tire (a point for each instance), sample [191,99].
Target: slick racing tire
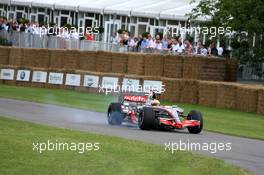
[195,115]
[146,118]
[114,114]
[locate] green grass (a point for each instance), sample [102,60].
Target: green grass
[115,156]
[225,121]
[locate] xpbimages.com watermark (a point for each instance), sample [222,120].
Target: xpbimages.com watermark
[211,147]
[80,147]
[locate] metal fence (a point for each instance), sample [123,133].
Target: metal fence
[29,40]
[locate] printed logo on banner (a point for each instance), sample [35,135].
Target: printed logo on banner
[150,85]
[110,83]
[39,77]
[130,85]
[55,78]
[73,79]
[23,75]
[91,81]
[7,74]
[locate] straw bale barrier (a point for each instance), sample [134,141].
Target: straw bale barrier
[260,107]
[173,66]
[71,59]
[4,55]
[154,64]
[136,64]
[207,93]
[56,58]
[103,62]
[16,56]
[88,60]
[227,95]
[119,62]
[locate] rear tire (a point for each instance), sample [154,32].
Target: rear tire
[146,118]
[114,114]
[195,115]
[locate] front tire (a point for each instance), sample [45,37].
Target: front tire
[114,114]
[195,115]
[146,118]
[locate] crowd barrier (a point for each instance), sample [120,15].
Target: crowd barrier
[246,98]
[170,66]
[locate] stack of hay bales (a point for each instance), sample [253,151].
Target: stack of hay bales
[42,58]
[207,93]
[4,55]
[29,57]
[56,58]
[231,70]
[136,63]
[172,89]
[212,69]
[71,60]
[16,56]
[154,65]
[88,60]
[191,67]
[188,91]
[260,107]
[247,97]
[173,66]
[103,62]
[227,95]
[119,62]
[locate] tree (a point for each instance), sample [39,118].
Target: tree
[246,18]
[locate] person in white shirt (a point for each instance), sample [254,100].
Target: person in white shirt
[151,43]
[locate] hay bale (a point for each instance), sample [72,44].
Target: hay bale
[103,62]
[42,58]
[16,56]
[191,67]
[207,93]
[188,91]
[56,58]
[154,65]
[29,57]
[212,69]
[226,95]
[260,107]
[172,89]
[231,70]
[248,98]
[88,60]
[71,60]
[119,62]
[136,63]
[4,55]
[173,66]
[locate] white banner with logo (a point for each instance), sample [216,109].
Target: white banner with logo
[73,79]
[23,75]
[39,77]
[150,85]
[91,81]
[110,83]
[7,74]
[130,85]
[55,78]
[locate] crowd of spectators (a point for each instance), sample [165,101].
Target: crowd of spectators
[142,42]
[160,43]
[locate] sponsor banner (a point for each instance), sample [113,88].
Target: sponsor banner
[110,83]
[73,79]
[39,77]
[91,81]
[55,78]
[130,85]
[23,75]
[150,85]
[7,74]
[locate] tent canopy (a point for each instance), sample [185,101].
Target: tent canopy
[166,9]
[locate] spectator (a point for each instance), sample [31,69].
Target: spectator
[213,50]
[144,43]
[188,47]
[114,39]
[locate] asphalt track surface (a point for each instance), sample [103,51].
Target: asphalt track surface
[246,153]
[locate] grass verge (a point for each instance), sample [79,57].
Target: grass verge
[224,121]
[115,156]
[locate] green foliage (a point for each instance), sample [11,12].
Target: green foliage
[246,18]
[145,34]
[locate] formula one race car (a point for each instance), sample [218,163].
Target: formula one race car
[145,111]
